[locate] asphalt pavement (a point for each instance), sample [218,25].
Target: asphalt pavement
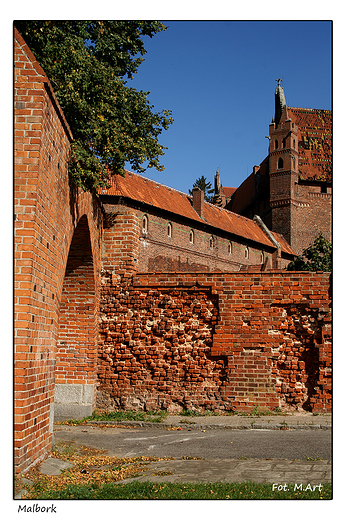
[275,465]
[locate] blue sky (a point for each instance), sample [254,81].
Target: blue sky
[218,78]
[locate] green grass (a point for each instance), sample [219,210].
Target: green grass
[121,416]
[181,491]
[255,412]
[195,413]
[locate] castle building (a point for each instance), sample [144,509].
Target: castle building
[170,231]
[291,190]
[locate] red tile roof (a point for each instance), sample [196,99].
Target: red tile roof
[138,188]
[246,192]
[315,142]
[228,192]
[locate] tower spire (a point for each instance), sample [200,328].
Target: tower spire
[280,101]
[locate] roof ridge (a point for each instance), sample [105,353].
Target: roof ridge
[157,182]
[229,211]
[310,109]
[241,217]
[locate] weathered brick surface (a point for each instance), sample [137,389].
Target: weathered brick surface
[215,341]
[47,215]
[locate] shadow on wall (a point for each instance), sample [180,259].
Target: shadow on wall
[76,345]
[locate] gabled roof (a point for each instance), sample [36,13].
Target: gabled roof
[138,188]
[246,192]
[228,192]
[315,142]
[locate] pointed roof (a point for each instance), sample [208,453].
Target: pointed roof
[280,102]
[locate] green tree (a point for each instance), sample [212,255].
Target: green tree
[88,64]
[317,257]
[203,184]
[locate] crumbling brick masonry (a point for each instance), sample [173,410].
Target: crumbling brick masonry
[215,341]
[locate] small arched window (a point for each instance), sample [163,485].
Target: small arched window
[280,163]
[169,230]
[212,242]
[284,142]
[145,221]
[262,257]
[229,248]
[276,144]
[294,143]
[192,236]
[246,252]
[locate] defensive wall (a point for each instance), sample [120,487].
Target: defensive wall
[58,231]
[215,341]
[90,330]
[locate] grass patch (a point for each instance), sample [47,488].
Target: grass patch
[180,491]
[121,415]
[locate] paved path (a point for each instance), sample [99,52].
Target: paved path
[201,442]
[273,471]
[278,471]
[230,470]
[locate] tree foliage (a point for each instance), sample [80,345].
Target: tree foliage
[88,64]
[203,184]
[317,257]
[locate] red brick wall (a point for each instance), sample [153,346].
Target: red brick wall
[47,214]
[215,341]
[311,215]
[120,249]
[76,349]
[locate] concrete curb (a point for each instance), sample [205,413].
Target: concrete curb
[193,425]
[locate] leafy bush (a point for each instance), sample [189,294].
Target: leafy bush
[317,257]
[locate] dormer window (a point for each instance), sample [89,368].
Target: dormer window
[145,221]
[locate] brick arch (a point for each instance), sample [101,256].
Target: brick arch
[77,330]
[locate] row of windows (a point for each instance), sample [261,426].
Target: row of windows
[212,240]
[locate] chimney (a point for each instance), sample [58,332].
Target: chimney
[198,201]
